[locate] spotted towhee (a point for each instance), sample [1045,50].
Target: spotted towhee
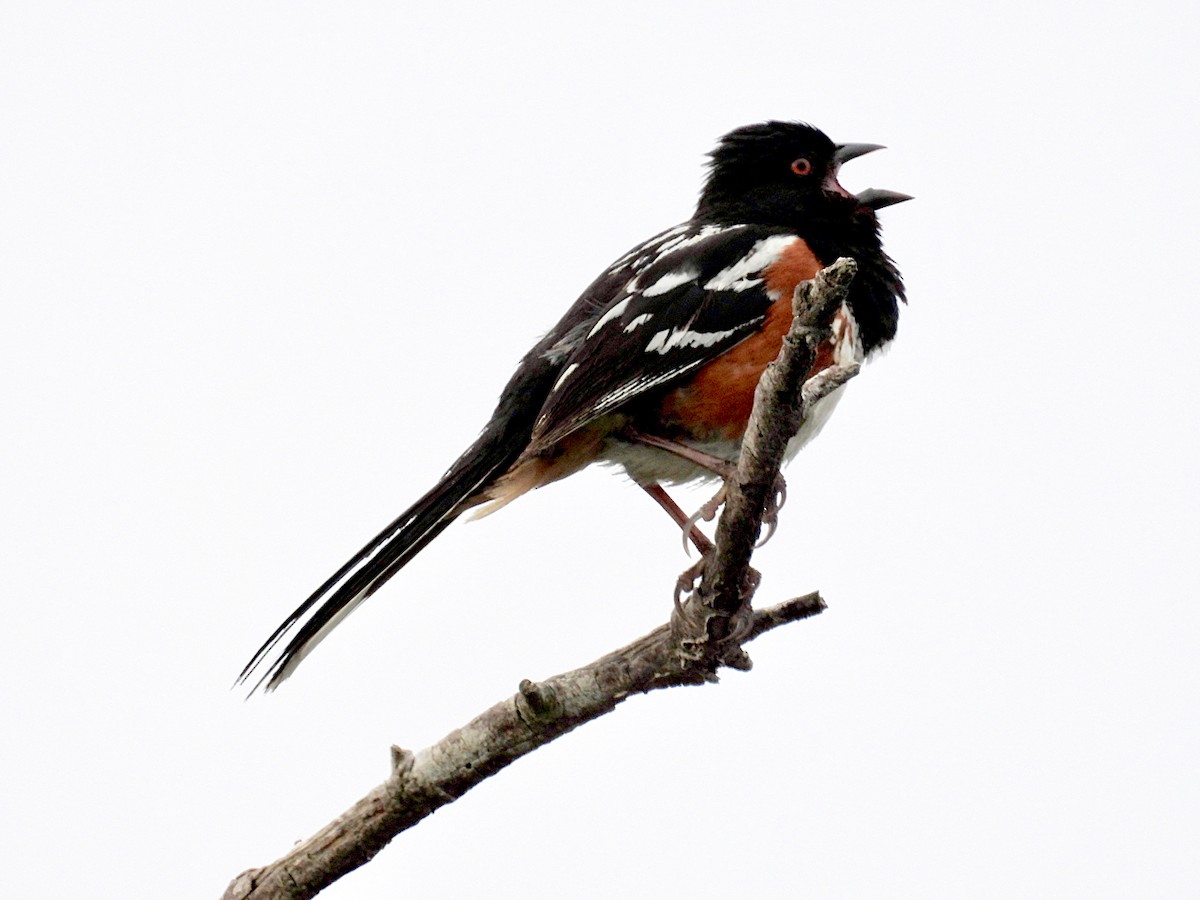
[654,366]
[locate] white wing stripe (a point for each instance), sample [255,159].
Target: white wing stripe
[762,254]
[638,320]
[670,281]
[564,376]
[613,312]
[681,338]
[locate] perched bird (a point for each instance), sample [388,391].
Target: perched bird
[654,367]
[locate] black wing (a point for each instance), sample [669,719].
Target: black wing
[700,294]
[503,439]
[595,336]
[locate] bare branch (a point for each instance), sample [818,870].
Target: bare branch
[779,406]
[705,634]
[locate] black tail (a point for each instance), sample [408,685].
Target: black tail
[383,557]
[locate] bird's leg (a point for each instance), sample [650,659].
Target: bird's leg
[715,464]
[687,579]
[722,468]
[679,517]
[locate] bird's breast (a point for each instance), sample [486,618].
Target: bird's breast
[714,404]
[710,411]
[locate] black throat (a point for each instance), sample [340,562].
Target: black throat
[877,291]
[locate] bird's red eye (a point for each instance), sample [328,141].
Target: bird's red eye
[801,166]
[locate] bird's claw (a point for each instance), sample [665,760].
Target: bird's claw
[705,513]
[686,582]
[775,500]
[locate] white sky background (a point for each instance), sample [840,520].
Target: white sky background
[264,269]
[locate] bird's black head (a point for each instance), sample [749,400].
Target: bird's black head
[783,173]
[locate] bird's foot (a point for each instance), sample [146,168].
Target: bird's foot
[775,500]
[689,578]
[774,503]
[705,513]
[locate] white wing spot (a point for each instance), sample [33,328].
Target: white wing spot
[642,248]
[638,385]
[762,254]
[704,233]
[670,281]
[644,255]
[665,341]
[613,312]
[564,376]
[639,320]
[667,246]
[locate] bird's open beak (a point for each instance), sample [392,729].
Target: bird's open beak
[846,152]
[872,198]
[878,198]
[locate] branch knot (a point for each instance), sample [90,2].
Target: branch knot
[536,702]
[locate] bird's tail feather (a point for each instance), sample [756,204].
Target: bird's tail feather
[379,560]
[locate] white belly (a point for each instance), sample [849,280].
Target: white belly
[650,464]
